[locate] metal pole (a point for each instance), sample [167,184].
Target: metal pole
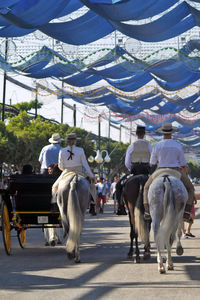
[99,141]
[115,44]
[62,103]
[4,82]
[36,101]
[109,126]
[130,132]
[120,133]
[74,114]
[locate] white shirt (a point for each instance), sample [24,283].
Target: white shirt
[113,187]
[168,153]
[78,159]
[129,152]
[101,188]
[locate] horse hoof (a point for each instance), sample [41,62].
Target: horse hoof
[179,250]
[77,261]
[129,255]
[170,268]
[137,260]
[162,271]
[53,243]
[70,255]
[147,255]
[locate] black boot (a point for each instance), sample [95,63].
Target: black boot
[121,210]
[186,216]
[92,209]
[147,216]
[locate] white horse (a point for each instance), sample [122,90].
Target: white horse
[167,198]
[73,197]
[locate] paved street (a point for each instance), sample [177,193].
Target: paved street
[40,272]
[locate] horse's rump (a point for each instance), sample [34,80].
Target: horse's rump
[167,198]
[72,198]
[160,185]
[133,186]
[133,195]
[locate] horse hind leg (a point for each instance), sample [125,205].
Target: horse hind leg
[161,267]
[179,248]
[130,253]
[147,246]
[169,262]
[77,253]
[147,252]
[137,251]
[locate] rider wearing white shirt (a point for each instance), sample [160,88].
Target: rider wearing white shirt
[73,159]
[169,154]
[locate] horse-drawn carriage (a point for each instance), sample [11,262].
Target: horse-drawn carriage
[26,204]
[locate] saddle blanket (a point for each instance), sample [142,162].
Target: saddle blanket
[166,171]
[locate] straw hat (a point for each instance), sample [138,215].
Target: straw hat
[166,128]
[55,138]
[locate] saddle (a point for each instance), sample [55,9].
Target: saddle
[166,171]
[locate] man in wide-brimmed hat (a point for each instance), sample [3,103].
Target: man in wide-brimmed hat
[169,154]
[49,157]
[49,154]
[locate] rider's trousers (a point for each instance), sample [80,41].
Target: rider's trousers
[184,178]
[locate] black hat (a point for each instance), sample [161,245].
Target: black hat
[140,129]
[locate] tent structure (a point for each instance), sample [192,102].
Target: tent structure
[148,89]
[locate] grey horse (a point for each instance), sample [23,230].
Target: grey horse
[73,196]
[167,198]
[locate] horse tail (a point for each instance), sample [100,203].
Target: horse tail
[141,226]
[168,224]
[74,215]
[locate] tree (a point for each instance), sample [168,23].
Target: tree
[22,139]
[7,144]
[26,106]
[194,170]
[31,136]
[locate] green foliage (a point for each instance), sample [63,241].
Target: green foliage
[31,135]
[26,106]
[22,139]
[7,144]
[194,170]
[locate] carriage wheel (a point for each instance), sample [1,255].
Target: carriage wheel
[21,234]
[6,228]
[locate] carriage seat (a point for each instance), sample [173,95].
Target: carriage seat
[31,192]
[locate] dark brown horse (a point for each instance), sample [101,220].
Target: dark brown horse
[132,193]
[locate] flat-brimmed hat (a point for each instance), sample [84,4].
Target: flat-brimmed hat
[140,129]
[72,136]
[166,128]
[55,138]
